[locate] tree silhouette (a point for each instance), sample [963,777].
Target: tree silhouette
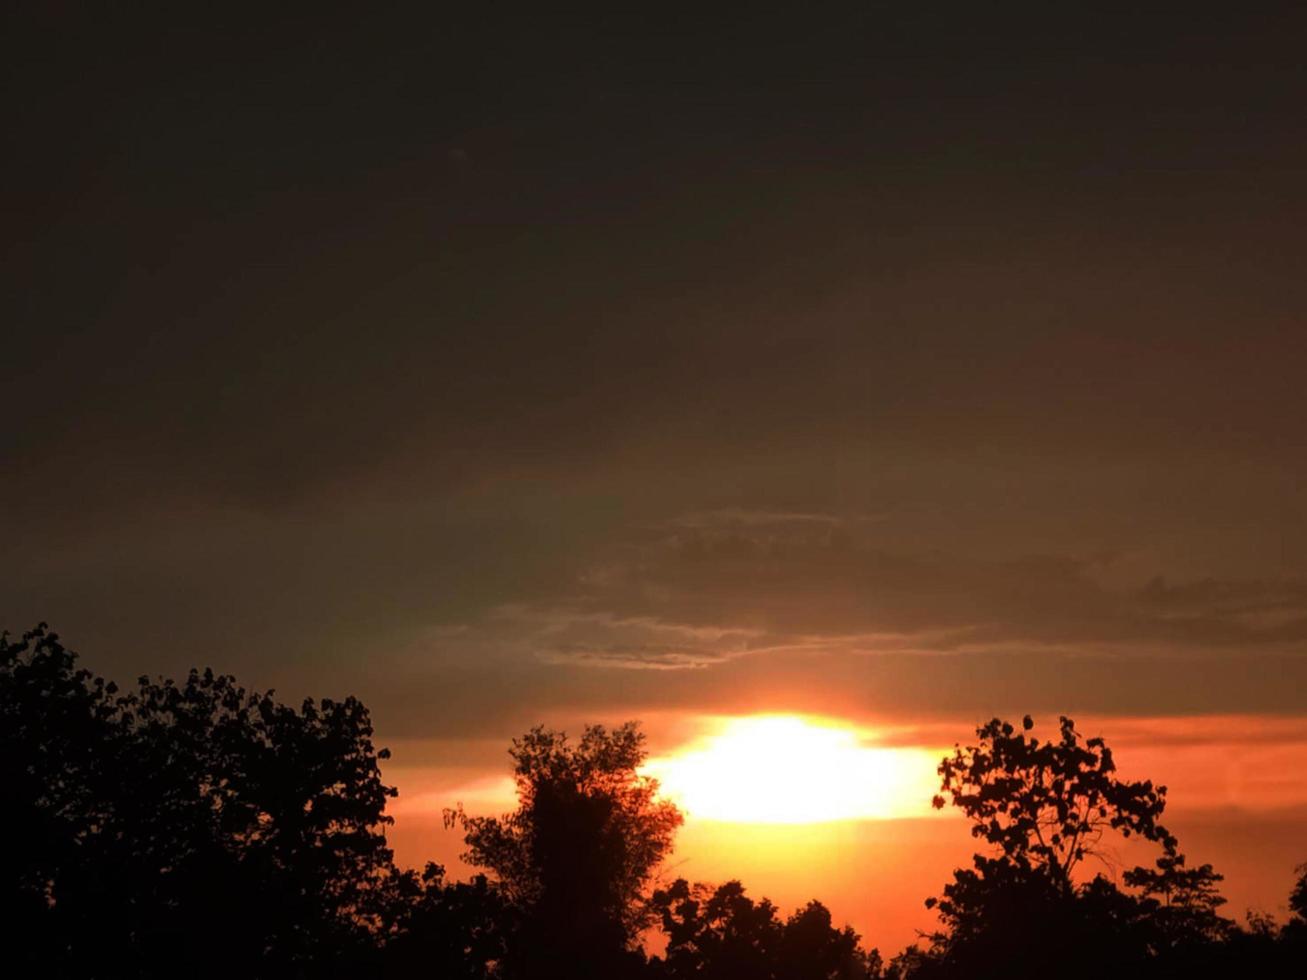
[187,829]
[56,724]
[717,934]
[576,856]
[1044,807]
[813,949]
[1295,932]
[1298,897]
[1179,904]
[454,931]
[722,934]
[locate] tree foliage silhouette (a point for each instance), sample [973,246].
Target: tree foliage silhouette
[1295,933]
[1043,807]
[454,931]
[56,723]
[722,934]
[1298,897]
[176,814]
[576,856]
[1180,904]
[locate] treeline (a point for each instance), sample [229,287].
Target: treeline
[197,829]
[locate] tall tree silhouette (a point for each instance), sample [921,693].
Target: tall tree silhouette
[194,828]
[576,856]
[1043,807]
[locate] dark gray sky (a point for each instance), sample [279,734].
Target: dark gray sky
[928,361]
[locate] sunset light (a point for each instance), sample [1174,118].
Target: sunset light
[788,769]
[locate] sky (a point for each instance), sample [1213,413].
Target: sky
[896,366]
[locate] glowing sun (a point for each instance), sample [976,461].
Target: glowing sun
[790,769]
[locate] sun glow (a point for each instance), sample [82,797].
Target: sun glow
[791,769]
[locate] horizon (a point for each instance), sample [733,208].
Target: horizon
[874,860]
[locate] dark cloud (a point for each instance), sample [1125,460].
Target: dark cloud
[631,657]
[775,581]
[505,366]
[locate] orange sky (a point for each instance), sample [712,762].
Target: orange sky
[1237,799]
